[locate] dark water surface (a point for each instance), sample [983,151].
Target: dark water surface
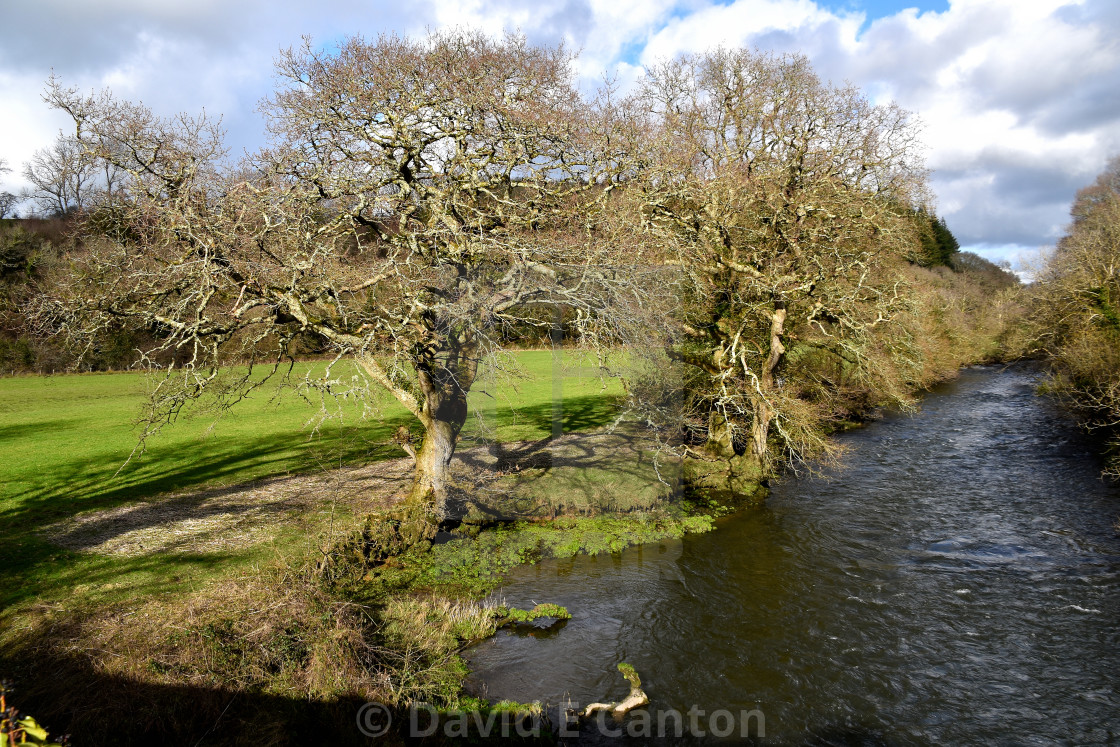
[957,583]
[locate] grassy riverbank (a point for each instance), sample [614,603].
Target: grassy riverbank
[67,439]
[187,573]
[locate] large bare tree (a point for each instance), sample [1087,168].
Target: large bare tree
[416,199]
[782,200]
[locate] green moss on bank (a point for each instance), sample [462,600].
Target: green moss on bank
[472,566]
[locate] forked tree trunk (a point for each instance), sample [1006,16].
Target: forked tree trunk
[442,410]
[722,471]
[737,470]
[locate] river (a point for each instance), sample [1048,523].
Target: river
[957,581]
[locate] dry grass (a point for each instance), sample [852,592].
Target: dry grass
[275,620]
[577,474]
[233,517]
[272,637]
[421,638]
[273,644]
[167,666]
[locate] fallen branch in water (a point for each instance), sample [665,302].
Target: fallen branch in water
[637,696]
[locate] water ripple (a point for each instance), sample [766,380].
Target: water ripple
[957,582]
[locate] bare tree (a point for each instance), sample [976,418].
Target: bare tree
[417,198]
[782,201]
[7,200]
[65,178]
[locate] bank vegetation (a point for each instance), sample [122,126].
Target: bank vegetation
[1075,311]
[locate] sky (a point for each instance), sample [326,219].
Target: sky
[1019,99]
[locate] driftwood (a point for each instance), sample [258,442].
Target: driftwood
[637,696]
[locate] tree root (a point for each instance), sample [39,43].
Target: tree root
[407,528]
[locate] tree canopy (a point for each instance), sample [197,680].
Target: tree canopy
[420,201]
[415,199]
[783,201]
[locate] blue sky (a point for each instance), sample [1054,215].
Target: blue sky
[1020,99]
[880,8]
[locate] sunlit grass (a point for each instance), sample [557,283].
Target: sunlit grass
[66,439]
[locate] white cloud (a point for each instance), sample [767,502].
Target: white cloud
[738,23]
[26,125]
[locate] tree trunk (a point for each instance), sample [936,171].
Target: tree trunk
[721,439]
[417,520]
[442,410]
[760,428]
[433,463]
[722,472]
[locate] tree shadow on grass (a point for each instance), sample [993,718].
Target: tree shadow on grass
[70,487]
[239,514]
[582,473]
[78,486]
[582,413]
[30,430]
[65,489]
[96,578]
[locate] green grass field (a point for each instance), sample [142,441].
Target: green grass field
[65,438]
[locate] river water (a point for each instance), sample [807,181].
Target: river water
[956,582]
